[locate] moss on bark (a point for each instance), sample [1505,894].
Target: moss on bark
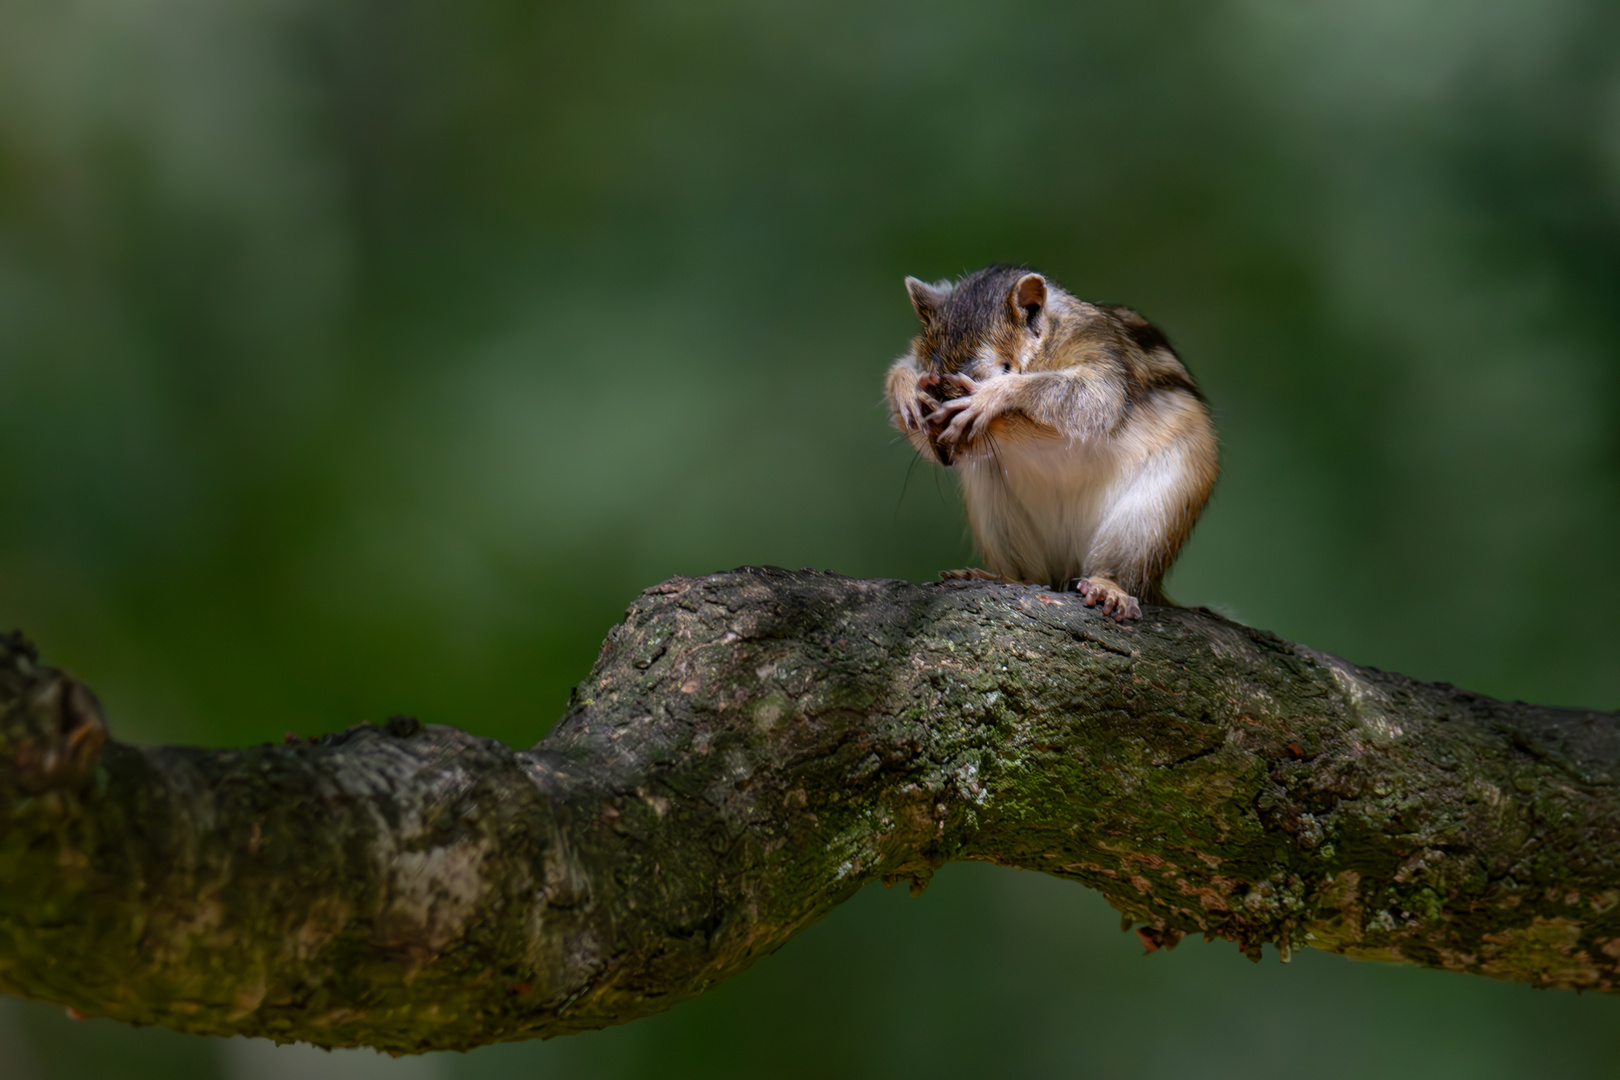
[750,749]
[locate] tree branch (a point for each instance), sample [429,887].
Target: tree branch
[750,749]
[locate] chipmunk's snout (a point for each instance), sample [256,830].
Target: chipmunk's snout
[946,390]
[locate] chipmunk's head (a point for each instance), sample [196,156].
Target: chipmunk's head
[987,323]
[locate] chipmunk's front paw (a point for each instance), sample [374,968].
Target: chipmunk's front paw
[962,421]
[913,404]
[1114,601]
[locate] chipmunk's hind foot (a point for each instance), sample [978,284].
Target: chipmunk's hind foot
[1114,601]
[973,574]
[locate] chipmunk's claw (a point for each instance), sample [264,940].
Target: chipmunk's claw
[1115,602]
[964,419]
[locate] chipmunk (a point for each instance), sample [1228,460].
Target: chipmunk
[1085,450]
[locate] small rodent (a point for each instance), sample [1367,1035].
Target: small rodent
[1085,450]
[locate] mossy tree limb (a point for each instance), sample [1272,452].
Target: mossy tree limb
[750,749]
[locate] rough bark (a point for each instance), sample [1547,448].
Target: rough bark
[752,748]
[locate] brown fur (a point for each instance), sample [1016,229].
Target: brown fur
[1085,448]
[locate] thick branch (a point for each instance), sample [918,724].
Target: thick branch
[750,750]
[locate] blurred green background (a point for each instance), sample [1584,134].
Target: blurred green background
[361,357]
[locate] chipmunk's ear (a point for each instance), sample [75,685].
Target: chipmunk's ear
[926,299]
[1027,302]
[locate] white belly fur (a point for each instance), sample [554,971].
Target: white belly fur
[1047,510]
[1036,506]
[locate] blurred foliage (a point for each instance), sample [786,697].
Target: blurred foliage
[362,357]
